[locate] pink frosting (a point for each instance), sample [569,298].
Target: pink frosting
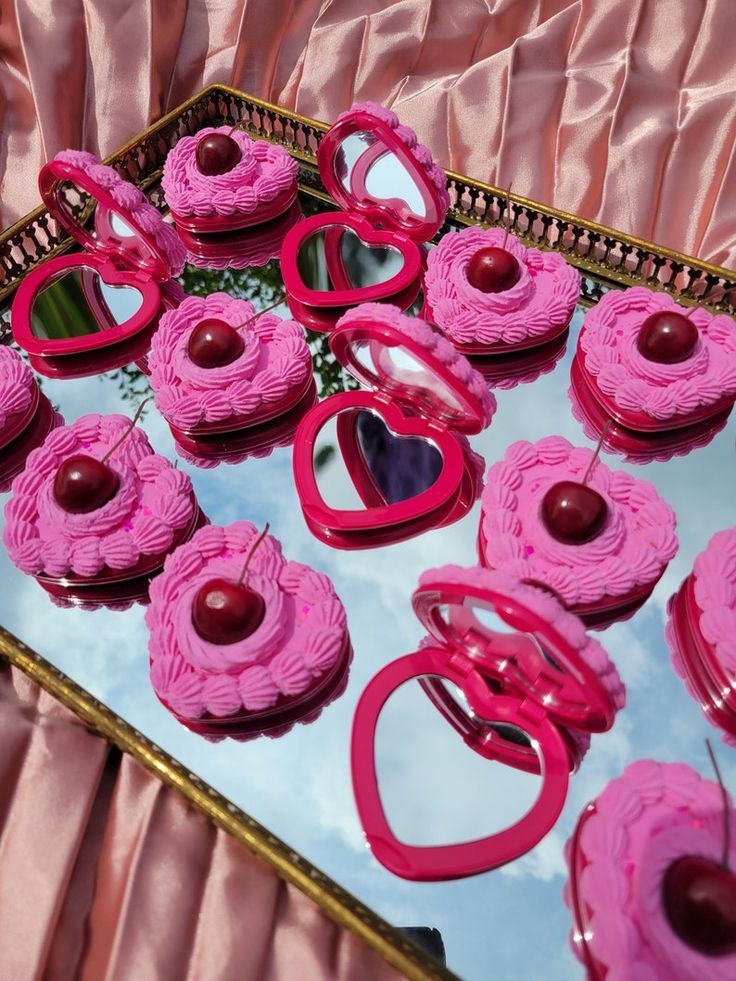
[132,199]
[263,172]
[407,135]
[274,365]
[302,635]
[543,298]
[645,820]
[632,550]
[435,344]
[549,609]
[154,500]
[663,391]
[17,386]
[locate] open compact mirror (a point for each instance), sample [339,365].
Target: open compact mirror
[391,202]
[106,296]
[521,686]
[385,463]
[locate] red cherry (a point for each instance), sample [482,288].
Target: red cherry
[217,153]
[700,901]
[83,484]
[667,337]
[573,513]
[213,343]
[225,612]
[493,270]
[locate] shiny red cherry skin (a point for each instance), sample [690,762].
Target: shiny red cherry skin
[83,484]
[213,344]
[699,899]
[493,270]
[667,337]
[573,513]
[217,153]
[225,612]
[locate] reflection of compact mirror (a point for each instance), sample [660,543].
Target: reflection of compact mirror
[106,295]
[522,687]
[391,201]
[386,463]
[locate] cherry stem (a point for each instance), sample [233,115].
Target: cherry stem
[597,453]
[249,556]
[128,431]
[255,316]
[726,805]
[508,216]
[239,125]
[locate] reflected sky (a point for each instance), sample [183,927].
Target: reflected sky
[509,924]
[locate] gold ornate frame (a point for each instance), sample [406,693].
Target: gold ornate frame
[606,257]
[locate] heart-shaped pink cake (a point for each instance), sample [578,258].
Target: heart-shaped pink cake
[614,571]
[267,378]
[301,641]
[535,310]
[152,510]
[625,842]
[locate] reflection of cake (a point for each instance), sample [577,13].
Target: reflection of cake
[620,351]
[613,571]
[267,378]
[260,186]
[701,632]
[152,510]
[625,842]
[131,199]
[534,310]
[299,644]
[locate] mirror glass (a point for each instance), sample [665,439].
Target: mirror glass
[359,462]
[398,369]
[79,302]
[104,225]
[368,170]
[336,258]
[435,789]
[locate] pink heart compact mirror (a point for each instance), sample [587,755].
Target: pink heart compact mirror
[523,686]
[392,198]
[387,462]
[111,292]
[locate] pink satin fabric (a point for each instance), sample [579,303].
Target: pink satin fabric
[108,875]
[621,112]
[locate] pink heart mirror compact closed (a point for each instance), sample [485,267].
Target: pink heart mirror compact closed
[388,462]
[392,198]
[108,296]
[523,686]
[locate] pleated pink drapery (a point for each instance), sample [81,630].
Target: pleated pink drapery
[622,111]
[108,875]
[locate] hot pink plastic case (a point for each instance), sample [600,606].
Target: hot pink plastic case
[535,680]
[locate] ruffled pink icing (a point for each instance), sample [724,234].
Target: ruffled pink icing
[154,500]
[543,298]
[549,609]
[273,367]
[302,635]
[613,363]
[420,152]
[263,172]
[645,820]
[632,550]
[131,199]
[432,342]
[17,386]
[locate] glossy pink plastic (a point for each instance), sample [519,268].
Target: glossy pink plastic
[136,261]
[407,411]
[387,222]
[506,680]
